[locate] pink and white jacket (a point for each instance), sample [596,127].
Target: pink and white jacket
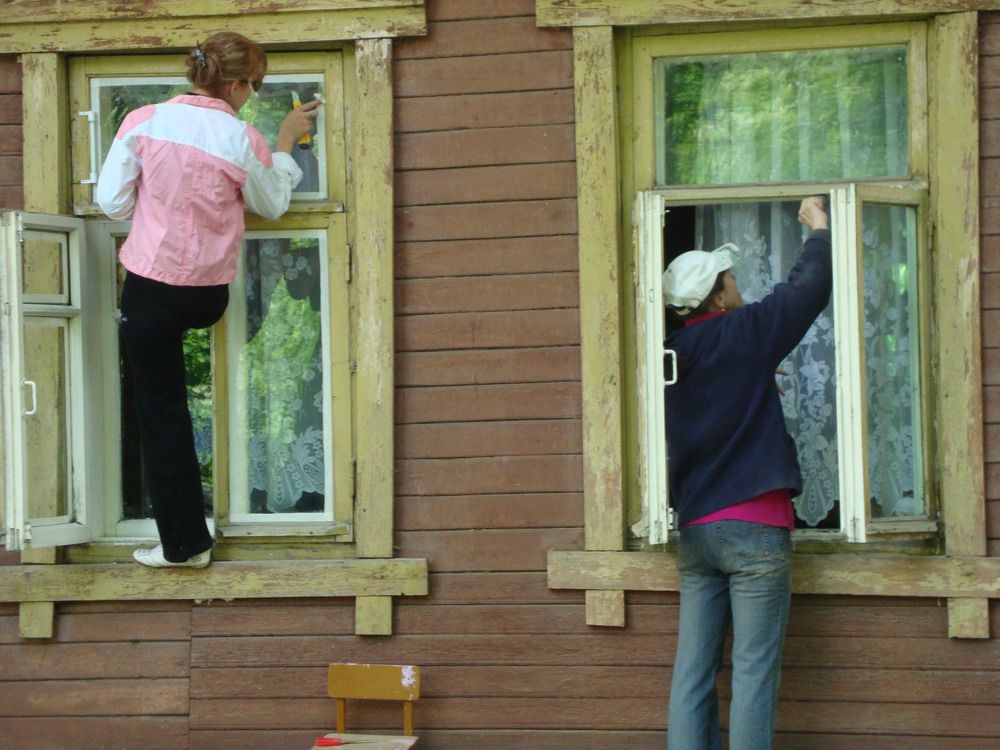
[183,171]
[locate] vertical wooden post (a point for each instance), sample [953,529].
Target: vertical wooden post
[954,129]
[373,210]
[45,99]
[600,316]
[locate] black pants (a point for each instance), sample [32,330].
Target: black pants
[155,317]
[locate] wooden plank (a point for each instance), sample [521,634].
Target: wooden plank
[495,293]
[488,330]
[487,220]
[486,256]
[968,618]
[62,11]
[452,10]
[393,682]
[510,588]
[76,627]
[551,364]
[649,12]
[36,619]
[99,697]
[488,550]
[484,36]
[991,290]
[10,75]
[373,169]
[606,608]
[178,33]
[595,90]
[11,196]
[485,184]
[528,71]
[373,615]
[534,144]
[856,575]
[468,111]
[990,254]
[11,137]
[487,402]
[955,218]
[495,474]
[46,133]
[87,661]
[221,580]
[489,511]
[97,732]
[479,439]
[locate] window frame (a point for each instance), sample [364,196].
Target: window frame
[847,200]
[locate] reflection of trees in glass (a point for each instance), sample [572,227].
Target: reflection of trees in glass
[774,117]
[198,364]
[284,375]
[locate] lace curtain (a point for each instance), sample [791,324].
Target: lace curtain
[770,239]
[284,376]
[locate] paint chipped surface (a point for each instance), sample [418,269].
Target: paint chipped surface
[409,677]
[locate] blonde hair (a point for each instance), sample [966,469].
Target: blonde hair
[225,57]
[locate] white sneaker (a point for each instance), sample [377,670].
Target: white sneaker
[154,558]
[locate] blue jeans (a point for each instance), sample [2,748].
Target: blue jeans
[740,572]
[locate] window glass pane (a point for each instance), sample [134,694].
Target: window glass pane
[114,98]
[770,238]
[268,108]
[47,430]
[44,265]
[891,358]
[782,116]
[281,374]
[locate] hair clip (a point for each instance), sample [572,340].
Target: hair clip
[200,56]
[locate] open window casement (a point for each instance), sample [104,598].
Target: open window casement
[51,437]
[853,398]
[649,212]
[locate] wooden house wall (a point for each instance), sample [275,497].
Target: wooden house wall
[488,480]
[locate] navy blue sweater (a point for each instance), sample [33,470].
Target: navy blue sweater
[726,435]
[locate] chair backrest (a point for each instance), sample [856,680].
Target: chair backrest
[385,682]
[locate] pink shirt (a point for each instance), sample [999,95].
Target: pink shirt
[772,508]
[183,171]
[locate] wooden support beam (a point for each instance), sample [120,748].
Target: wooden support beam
[221,580]
[954,165]
[373,615]
[36,619]
[853,575]
[181,33]
[373,188]
[598,202]
[651,12]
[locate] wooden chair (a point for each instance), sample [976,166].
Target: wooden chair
[386,682]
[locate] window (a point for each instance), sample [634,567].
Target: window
[269,387]
[734,131]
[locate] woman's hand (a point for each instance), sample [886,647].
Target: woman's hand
[296,124]
[811,213]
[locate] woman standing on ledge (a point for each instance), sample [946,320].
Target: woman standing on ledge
[733,471]
[183,171]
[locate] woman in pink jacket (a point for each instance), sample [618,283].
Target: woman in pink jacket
[184,171]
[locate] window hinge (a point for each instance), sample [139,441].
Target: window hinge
[91,116]
[348,263]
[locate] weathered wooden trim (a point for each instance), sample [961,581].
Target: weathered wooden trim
[373,615]
[600,314]
[968,618]
[373,187]
[62,11]
[182,33]
[36,619]
[648,12]
[221,580]
[954,165]
[46,133]
[840,574]
[605,608]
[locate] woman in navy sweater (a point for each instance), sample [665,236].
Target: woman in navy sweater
[733,472]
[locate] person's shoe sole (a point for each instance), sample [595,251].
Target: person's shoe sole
[153,558]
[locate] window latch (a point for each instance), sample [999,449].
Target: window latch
[672,377]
